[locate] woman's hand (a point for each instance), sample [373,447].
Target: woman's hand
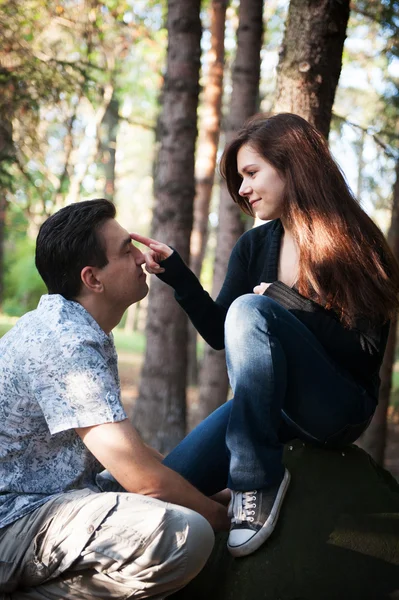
[157,252]
[260,289]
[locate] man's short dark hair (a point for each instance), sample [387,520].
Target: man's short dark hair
[68,241]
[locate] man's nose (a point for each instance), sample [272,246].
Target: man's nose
[139,257]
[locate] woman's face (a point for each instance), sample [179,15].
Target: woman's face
[262,185]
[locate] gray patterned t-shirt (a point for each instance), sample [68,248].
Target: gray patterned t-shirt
[58,371]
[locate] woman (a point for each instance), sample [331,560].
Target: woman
[303,314]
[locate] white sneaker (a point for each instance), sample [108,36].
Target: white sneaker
[254,516]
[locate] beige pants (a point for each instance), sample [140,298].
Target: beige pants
[85,545]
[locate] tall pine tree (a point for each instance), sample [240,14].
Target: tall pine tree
[160,411]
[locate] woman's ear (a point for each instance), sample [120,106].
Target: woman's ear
[90,279]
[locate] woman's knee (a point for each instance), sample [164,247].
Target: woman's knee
[245,312]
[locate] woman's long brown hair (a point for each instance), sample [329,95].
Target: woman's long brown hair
[345,262]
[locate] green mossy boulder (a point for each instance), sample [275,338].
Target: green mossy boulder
[337,537]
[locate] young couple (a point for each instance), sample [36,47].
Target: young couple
[303,315]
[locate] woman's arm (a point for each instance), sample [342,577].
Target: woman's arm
[206,314]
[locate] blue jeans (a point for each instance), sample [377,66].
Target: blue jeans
[285,386]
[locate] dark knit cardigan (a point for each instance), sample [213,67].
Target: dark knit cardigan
[357,352]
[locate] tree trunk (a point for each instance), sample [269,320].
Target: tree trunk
[131,318]
[311,58]
[160,413]
[3,208]
[77,177]
[209,135]
[6,156]
[243,104]
[206,157]
[108,134]
[374,439]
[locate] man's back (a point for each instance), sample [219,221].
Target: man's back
[58,371]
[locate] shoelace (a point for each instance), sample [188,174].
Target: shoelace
[241,505]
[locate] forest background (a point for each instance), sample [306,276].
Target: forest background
[133,100]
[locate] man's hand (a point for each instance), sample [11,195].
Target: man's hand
[260,289]
[119,448]
[157,252]
[223,497]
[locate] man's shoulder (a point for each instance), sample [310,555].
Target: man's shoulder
[18,335]
[60,313]
[56,327]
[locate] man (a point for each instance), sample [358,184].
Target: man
[62,422]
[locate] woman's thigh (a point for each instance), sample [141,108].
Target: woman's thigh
[320,398]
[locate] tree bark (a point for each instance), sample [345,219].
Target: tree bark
[108,134]
[311,59]
[206,157]
[209,135]
[77,178]
[160,412]
[7,155]
[3,208]
[243,104]
[374,439]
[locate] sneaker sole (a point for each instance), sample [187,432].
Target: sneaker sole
[259,538]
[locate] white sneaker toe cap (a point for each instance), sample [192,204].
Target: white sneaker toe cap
[237,537]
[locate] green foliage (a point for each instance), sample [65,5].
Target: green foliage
[23,285]
[386,13]
[3,329]
[366,107]
[129,342]
[55,67]
[6,178]
[32,72]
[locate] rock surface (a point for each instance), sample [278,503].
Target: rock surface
[337,537]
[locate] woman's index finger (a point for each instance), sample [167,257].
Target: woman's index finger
[142,239]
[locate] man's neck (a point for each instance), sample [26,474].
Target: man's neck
[106,318]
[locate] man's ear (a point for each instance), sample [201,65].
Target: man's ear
[90,279]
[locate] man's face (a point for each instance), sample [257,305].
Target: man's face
[123,277]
